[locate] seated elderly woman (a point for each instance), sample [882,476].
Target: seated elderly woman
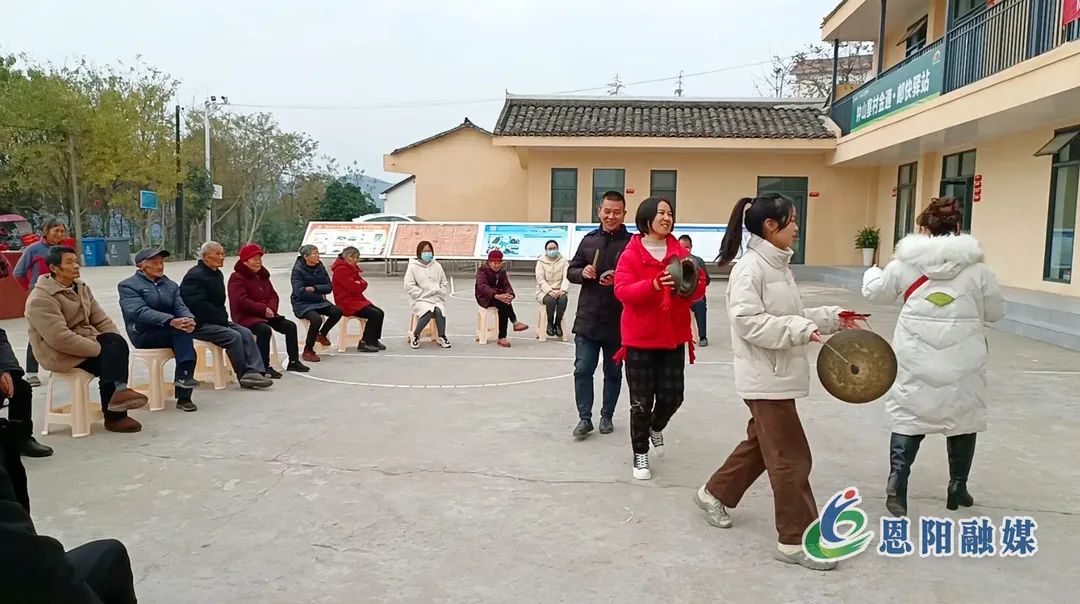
[254,304]
[310,286]
[349,287]
[493,289]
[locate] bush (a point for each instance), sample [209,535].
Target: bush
[868,238]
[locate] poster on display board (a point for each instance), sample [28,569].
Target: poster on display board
[371,238]
[521,240]
[450,240]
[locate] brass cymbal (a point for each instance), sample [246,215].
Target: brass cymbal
[857,366]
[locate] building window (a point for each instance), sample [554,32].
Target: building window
[604,180]
[958,180]
[915,39]
[794,188]
[564,194]
[965,8]
[662,184]
[1061,223]
[906,177]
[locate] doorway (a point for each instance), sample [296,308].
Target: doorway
[958,180]
[794,188]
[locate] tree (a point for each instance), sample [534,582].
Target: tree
[808,73]
[344,201]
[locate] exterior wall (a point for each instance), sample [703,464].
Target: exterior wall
[462,176]
[402,200]
[1009,221]
[709,184]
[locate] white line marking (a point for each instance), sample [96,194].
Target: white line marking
[429,386]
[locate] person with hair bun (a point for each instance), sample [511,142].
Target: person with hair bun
[948,292]
[770,329]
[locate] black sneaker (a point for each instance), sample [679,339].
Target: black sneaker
[186,406]
[272,373]
[703,342]
[380,345]
[551,331]
[606,427]
[583,428]
[32,448]
[186,382]
[558,331]
[297,366]
[362,347]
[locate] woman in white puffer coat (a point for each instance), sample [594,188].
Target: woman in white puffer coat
[552,285]
[426,284]
[940,344]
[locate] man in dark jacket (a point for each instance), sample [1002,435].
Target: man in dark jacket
[596,326]
[155,317]
[203,292]
[33,568]
[699,308]
[17,391]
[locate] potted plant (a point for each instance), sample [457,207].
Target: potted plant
[867,240]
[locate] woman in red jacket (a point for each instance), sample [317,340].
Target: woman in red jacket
[655,326]
[253,303]
[349,286]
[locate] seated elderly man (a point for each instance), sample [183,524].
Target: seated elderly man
[69,330]
[155,317]
[203,291]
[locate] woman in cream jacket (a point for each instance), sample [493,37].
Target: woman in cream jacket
[426,284]
[552,285]
[770,330]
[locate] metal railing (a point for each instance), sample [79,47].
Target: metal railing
[991,41]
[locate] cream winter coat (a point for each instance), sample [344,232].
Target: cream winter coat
[427,286]
[769,326]
[940,345]
[551,274]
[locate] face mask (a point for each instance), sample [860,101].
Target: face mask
[426,256]
[553,253]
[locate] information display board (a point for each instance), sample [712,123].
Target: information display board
[371,238]
[521,240]
[450,240]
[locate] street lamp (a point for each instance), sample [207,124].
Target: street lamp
[211,102]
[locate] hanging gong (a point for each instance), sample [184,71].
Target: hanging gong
[857,366]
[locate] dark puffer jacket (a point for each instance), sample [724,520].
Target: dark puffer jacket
[203,292]
[309,276]
[598,310]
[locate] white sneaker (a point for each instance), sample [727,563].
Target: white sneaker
[414,342]
[443,342]
[33,380]
[641,466]
[718,515]
[657,439]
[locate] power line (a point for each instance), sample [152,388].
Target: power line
[477,101]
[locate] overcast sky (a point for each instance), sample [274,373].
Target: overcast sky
[338,54]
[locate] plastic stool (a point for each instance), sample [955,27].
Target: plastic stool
[217,370]
[542,321]
[80,411]
[301,333]
[346,338]
[487,322]
[430,329]
[155,359]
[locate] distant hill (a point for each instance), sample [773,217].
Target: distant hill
[370,185]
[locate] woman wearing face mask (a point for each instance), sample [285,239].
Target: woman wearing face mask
[426,284]
[655,327]
[493,289]
[941,352]
[551,286]
[770,330]
[30,266]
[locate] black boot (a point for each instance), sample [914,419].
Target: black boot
[902,451]
[961,450]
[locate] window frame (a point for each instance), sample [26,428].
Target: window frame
[1055,165]
[598,192]
[667,193]
[901,187]
[573,208]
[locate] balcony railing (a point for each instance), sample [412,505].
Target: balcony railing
[995,39]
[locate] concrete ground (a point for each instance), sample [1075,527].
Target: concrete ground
[451,476]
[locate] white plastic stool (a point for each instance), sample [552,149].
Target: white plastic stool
[216,370]
[80,411]
[541,324]
[487,322]
[155,359]
[347,338]
[275,358]
[301,333]
[429,329]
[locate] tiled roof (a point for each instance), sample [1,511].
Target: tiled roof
[661,117]
[465,124]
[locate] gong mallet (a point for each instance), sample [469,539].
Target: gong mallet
[854,367]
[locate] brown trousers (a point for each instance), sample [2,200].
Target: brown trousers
[775,442]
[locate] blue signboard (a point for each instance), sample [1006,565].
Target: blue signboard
[522,240]
[148,200]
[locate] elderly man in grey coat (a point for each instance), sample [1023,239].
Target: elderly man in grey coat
[203,292]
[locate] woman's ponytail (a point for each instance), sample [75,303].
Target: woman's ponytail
[729,247]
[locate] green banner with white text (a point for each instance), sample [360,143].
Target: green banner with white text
[915,82]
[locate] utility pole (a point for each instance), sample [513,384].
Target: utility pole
[211,102]
[678,85]
[181,238]
[75,210]
[615,86]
